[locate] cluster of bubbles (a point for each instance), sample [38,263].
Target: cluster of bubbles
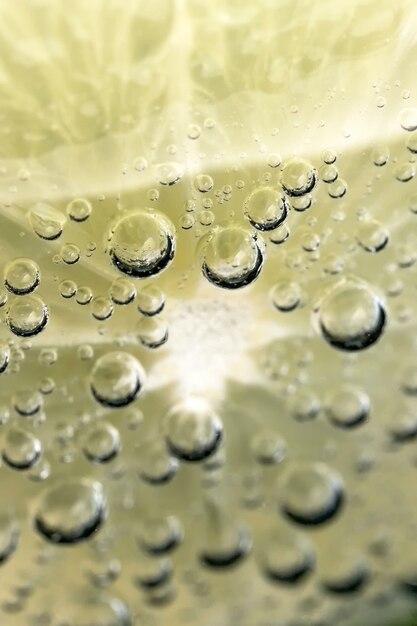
[349,316]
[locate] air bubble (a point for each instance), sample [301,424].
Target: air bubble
[348,407]
[194,431]
[68,289]
[168,174]
[102,443]
[312,494]
[285,296]
[226,541]
[142,244]
[372,236]
[27,403]
[280,235]
[286,556]
[27,316]
[70,253]
[79,210]
[9,536]
[380,155]
[122,291]
[21,449]
[152,332]
[47,222]
[203,183]
[160,535]
[71,511]
[408,119]
[404,172]
[266,208]
[22,276]
[298,177]
[116,379]
[157,467]
[232,257]
[268,447]
[151,300]
[102,308]
[351,317]
[84,295]
[337,189]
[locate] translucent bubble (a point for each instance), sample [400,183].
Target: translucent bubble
[47,385]
[274,160]
[344,571]
[193,430]
[21,449]
[122,291]
[28,402]
[337,189]
[47,222]
[298,176]
[305,405]
[206,217]
[310,242]
[280,235]
[27,316]
[4,356]
[102,308]
[286,556]
[21,276]
[116,379]
[102,571]
[193,131]
[301,203]
[372,236]
[312,494]
[84,295]
[403,426]
[160,535]
[157,467]
[101,443]
[328,173]
[203,183]
[9,536]
[328,156]
[168,173]
[348,407]
[187,221]
[151,572]
[232,257]
[142,244]
[152,332]
[408,119]
[79,210]
[351,317]
[70,253]
[412,143]
[85,352]
[266,208]
[285,296]
[404,172]
[67,288]
[140,164]
[380,155]
[48,356]
[151,300]
[71,511]
[226,542]
[268,447]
